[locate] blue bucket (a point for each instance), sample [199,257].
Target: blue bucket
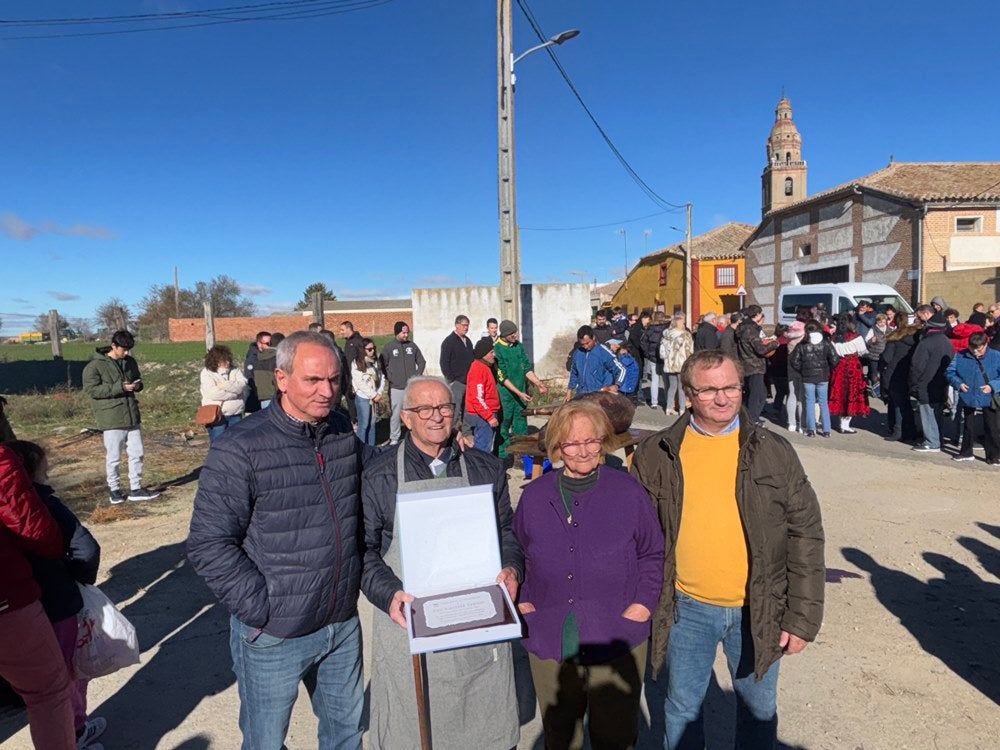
[529,465]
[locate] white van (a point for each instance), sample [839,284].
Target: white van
[839,298]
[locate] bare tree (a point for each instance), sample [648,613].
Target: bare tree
[112,316]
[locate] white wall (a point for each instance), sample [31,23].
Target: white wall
[550,314]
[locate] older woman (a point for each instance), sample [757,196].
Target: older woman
[593,570]
[223,386]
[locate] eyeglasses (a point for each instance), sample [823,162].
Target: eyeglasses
[369,348]
[425,412]
[581,448]
[731,392]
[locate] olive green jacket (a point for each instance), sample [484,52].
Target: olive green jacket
[104,381]
[783,527]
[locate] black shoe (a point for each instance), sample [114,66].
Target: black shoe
[810,433]
[142,494]
[824,434]
[116,497]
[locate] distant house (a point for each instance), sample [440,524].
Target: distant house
[717,271]
[922,228]
[601,295]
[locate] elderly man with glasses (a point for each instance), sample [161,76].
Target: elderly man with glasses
[744,554]
[471,690]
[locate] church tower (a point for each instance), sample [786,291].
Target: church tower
[784,178]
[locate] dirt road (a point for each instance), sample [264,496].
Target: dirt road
[909,655]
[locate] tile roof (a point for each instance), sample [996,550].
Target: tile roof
[925,182]
[721,242]
[358,305]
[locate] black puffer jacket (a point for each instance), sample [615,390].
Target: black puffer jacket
[895,361]
[706,337]
[276,526]
[813,362]
[651,341]
[931,358]
[61,597]
[379,581]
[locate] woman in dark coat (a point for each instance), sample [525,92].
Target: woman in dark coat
[896,358]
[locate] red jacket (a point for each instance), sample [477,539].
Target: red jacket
[481,395]
[959,335]
[25,526]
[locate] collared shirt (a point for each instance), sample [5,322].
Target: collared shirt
[731,427]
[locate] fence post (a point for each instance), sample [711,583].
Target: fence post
[54,334]
[209,326]
[317,309]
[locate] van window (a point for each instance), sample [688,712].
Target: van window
[845,305]
[880,301]
[791,301]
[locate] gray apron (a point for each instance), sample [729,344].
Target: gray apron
[471,690]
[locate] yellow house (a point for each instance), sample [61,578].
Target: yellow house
[717,271]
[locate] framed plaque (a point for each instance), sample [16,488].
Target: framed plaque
[450,553]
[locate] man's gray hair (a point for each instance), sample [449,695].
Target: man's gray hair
[285,355]
[419,380]
[708,317]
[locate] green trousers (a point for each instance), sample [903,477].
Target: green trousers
[512,421]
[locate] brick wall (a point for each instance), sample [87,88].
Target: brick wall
[375,323]
[962,289]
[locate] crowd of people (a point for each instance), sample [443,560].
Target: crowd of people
[295,516]
[822,366]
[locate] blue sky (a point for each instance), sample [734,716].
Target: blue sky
[360,149]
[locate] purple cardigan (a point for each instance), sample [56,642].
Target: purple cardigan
[610,556]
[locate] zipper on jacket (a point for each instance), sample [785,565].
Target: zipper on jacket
[321,462]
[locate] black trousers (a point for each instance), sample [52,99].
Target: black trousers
[754,385]
[991,423]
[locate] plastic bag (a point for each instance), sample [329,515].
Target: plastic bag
[105,640]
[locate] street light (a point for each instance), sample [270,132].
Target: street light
[510,243]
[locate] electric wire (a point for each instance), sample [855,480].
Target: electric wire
[642,184]
[288,10]
[602,226]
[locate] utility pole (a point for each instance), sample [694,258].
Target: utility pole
[687,270]
[624,235]
[177,296]
[510,250]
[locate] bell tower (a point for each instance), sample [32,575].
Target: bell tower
[784,178]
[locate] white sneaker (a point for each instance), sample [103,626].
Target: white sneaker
[792,428]
[94,728]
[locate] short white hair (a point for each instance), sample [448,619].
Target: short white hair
[418,380]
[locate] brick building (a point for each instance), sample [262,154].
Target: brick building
[370,318]
[898,226]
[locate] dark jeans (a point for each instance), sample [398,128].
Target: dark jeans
[754,385]
[214,433]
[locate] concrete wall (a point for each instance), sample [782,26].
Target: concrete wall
[550,314]
[962,289]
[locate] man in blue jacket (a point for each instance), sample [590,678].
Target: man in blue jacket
[975,375]
[594,367]
[275,534]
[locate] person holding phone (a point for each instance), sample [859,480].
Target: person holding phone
[111,379]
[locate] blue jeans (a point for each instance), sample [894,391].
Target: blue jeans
[698,629]
[269,670]
[814,391]
[366,420]
[931,417]
[214,433]
[482,433]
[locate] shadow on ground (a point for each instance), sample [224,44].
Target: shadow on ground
[955,617]
[176,611]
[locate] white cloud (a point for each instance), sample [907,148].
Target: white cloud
[17,228]
[384,293]
[254,290]
[63,296]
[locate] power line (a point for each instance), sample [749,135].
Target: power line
[602,226]
[281,10]
[643,185]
